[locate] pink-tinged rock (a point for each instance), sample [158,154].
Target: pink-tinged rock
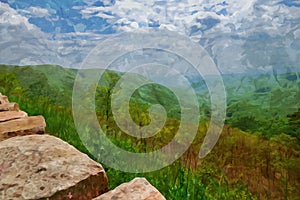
[45,167]
[3,99]
[137,189]
[9,107]
[10,115]
[22,126]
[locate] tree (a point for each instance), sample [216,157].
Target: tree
[9,85]
[294,124]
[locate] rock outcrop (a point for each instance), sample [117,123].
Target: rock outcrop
[43,166]
[14,122]
[3,99]
[137,189]
[9,107]
[10,115]
[21,127]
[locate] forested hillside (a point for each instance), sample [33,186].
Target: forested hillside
[256,157]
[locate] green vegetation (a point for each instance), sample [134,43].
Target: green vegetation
[263,103]
[257,156]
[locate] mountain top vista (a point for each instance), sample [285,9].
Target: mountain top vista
[256,157]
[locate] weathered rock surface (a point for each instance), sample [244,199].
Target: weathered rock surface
[10,115]
[14,122]
[22,126]
[3,99]
[45,167]
[137,189]
[9,107]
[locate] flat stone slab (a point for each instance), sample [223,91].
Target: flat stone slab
[137,189]
[9,107]
[10,115]
[45,167]
[23,126]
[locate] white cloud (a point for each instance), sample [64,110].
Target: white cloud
[38,12]
[23,43]
[10,16]
[35,12]
[104,16]
[225,41]
[244,15]
[241,19]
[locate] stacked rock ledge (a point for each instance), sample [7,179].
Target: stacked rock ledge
[14,122]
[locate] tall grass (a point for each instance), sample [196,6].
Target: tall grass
[175,181]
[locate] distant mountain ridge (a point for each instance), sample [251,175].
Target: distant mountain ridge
[250,97]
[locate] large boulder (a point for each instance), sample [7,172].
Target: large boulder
[45,167]
[22,126]
[137,189]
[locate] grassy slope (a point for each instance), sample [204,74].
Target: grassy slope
[268,167]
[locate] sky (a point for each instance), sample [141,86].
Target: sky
[244,35]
